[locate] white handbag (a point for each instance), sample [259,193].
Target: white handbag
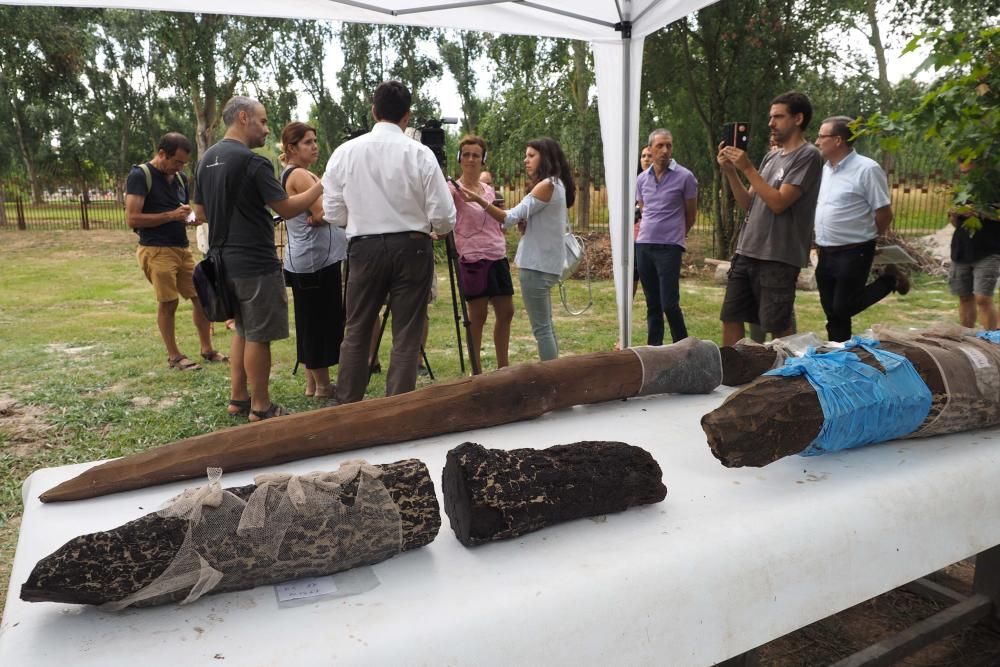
[573,246]
[574,254]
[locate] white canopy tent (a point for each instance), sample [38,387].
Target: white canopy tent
[616,30]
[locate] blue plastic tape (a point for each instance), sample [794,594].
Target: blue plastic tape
[991,336]
[861,405]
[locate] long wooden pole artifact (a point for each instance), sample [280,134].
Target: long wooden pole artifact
[780,415]
[511,394]
[493,494]
[212,540]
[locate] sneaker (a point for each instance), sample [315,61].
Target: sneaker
[902,280]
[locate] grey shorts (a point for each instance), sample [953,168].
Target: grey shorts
[760,292]
[978,278]
[262,308]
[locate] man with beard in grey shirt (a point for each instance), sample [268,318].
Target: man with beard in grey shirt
[773,244]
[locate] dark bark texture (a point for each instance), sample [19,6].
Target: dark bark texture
[111,565]
[492,494]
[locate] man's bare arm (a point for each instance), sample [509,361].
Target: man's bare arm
[883,218]
[291,207]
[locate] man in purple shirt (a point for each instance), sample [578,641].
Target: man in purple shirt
[667,193]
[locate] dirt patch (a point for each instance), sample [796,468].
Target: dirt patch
[837,636]
[24,426]
[597,253]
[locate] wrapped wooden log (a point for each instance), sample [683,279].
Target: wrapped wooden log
[133,560]
[508,395]
[778,416]
[493,494]
[744,362]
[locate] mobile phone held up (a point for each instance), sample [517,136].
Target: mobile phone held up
[736,134]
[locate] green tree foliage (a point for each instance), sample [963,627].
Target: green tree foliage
[725,63]
[361,73]
[306,45]
[961,112]
[208,58]
[459,50]
[42,55]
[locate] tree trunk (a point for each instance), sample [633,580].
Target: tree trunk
[111,565]
[883,83]
[26,156]
[492,494]
[508,395]
[778,416]
[581,98]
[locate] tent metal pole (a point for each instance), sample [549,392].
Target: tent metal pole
[625,284]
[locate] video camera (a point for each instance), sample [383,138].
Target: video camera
[431,134]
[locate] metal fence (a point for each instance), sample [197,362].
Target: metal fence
[920,191]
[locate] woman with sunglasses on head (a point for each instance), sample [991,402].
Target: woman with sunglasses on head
[540,253]
[312,261]
[483,268]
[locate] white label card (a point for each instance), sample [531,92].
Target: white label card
[978,359]
[305,588]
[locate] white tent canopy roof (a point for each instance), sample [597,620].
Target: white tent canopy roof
[590,20]
[617,60]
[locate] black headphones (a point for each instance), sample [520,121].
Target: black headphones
[458,155]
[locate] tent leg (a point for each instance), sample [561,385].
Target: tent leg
[625,284]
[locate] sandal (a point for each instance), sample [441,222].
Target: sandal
[274,411]
[182,363]
[327,392]
[238,408]
[214,356]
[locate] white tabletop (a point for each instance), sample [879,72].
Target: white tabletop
[730,560]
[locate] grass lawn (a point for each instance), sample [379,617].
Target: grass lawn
[84,374]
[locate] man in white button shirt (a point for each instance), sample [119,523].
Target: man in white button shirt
[389,193]
[851,213]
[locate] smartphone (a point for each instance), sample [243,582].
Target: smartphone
[736,134]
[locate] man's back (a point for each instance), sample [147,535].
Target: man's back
[389,183]
[233,185]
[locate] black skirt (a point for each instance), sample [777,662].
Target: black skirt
[319,316]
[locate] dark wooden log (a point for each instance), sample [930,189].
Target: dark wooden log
[111,565]
[742,363]
[776,416]
[492,494]
[508,395]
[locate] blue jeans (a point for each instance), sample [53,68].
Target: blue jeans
[536,292]
[660,274]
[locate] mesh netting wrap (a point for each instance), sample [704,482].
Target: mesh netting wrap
[340,520]
[689,366]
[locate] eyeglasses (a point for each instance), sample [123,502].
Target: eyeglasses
[827,136]
[473,156]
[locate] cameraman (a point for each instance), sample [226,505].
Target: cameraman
[389,193]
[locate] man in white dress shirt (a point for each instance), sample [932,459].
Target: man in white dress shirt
[388,191]
[851,213]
